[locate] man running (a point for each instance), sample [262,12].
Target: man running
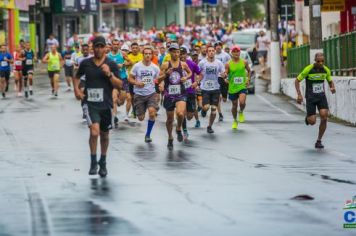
[224,58]
[5,61]
[315,75]
[190,86]
[28,68]
[143,76]
[134,57]
[55,62]
[172,73]
[211,70]
[101,76]
[68,66]
[238,72]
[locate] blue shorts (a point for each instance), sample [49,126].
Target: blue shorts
[235,96]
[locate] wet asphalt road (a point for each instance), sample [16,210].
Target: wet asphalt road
[228,183]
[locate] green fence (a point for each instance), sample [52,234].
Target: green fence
[297,59]
[339,51]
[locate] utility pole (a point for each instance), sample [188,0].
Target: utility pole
[275,50]
[315,28]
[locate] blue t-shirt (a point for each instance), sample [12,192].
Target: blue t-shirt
[119,59]
[5,65]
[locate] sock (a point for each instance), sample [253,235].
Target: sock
[184,124]
[102,159]
[93,158]
[149,127]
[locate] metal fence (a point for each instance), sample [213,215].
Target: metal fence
[339,51]
[297,59]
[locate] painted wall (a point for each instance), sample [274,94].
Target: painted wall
[342,104]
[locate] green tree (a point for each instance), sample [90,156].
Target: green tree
[246,9]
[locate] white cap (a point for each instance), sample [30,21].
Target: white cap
[125,47]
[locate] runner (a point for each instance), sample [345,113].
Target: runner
[55,62]
[224,58]
[315,75]
[172,73]
[143,76]
[190,86]
[28,68]
[101,76]
[238,81]
[5,61]
[19,58]
[211,70]
[134,57]
[125,92]
[68,66]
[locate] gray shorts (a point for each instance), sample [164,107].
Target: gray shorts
[142,103]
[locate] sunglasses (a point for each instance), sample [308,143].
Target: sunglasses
[99,46]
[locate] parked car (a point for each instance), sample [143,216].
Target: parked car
[245,55]
[246,40]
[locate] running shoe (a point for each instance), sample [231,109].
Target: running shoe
[116,121]
[197,124]
[93,168]
[126,118]
[31,92]
[241,117]
[179,135]
[170,144]
[234,124]
[203,113]
[148,139]
[221,117]
[319,145]
[26,94]
[185,134]
[209,130]
[3,95]
[103,172]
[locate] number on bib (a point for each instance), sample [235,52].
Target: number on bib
[18,63]
[29,62]
[4,63]
[209,84]
[238,80]
[188,83]
[174,90]
[147,80]
[96,95]
[318,88]
[68,62]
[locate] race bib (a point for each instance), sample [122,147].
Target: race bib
[174,89]
[96,95]
[209,84]
[69,62]
[147,80]
[238,80]
[4,63]
[18,63]
[188,83]
[318,88]
[29,62]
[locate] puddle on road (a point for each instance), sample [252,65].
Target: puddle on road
[303,197]
[87,218]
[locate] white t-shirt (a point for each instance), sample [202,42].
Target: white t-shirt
[262,45]
[211,72]
[228,40]
[223,57]
[147,75]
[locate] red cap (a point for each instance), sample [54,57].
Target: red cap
[235,47]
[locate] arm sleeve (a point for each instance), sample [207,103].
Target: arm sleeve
[305,72]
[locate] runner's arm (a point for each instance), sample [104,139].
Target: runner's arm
[247,66]
[187,69]
[227,71]
[45,58]
[163,72]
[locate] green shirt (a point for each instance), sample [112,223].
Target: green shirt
[54,63]
[237,76]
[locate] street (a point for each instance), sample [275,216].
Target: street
[227,183]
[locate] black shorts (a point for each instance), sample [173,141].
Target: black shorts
[316,102]
[224,87]
[5,74]
[101,117]
[26,71]
[170,104]
[211,97]
[52,73]
[262,54]
[191,103]
[235,96]
[68,71]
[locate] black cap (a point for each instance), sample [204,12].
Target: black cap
[183,50]
[99,40]
[218,43]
